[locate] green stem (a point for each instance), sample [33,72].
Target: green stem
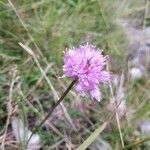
[136,143]
[52,109]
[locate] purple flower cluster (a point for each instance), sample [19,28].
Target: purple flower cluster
[86,64]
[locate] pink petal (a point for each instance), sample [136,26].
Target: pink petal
[96,94]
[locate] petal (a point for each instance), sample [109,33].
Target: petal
[80,89]
[104,76]
[96,94]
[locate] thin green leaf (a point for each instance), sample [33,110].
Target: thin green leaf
[92,137]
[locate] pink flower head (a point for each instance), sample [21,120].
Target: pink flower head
[86,64]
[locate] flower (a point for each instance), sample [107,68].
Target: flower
[86,64]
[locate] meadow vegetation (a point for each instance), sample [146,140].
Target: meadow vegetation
[29,86]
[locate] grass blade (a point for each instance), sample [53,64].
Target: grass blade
[92,137]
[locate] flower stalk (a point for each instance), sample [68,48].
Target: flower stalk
[52,109]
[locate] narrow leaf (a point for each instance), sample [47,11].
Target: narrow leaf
[92,137]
